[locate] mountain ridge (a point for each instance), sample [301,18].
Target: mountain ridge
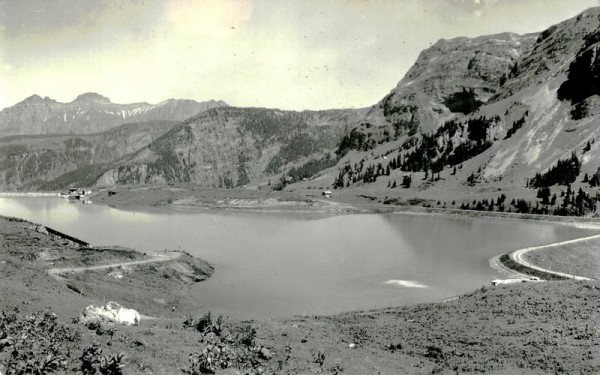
[470,117]
[231,146]
[534,124]
[91,113]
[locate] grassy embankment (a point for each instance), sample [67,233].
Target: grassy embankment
[511,264]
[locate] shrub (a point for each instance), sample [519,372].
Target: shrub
[236,349]
[204,324]
[463,101]
[35,344]
[93,362]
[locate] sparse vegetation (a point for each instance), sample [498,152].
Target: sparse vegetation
[36,344]
[563,173]
[171,166]
[13,150]
[450,145]
[224,346]
[39,344]
[84,176]
[516,126]
[299,146]
[93,362]
[464,102]
[573,204]
[312,167]
[76,143]
[355,140]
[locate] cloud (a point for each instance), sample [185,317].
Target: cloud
[304,54]
[524,14]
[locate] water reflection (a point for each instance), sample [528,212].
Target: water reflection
[292,263]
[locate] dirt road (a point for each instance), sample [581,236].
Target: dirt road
[159,257]
[519,256]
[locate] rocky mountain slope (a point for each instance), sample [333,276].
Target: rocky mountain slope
[450,79]
[31,160]
[221,147]
[90,113]
[472,116]
[522,120]
[556,125]
[227,147]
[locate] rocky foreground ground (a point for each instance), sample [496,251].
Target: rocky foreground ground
[530,328]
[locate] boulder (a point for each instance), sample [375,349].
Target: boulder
[40,229]
[112,312]
[265,353]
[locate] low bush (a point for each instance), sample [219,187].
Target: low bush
[40,344]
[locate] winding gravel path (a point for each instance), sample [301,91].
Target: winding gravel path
[159,257]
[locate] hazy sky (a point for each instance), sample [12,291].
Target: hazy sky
[296,54]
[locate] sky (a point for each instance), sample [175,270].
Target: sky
[288,54]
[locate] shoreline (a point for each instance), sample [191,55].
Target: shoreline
[263,201]
[322,208]
[417,338]
[165,199]
[331,207]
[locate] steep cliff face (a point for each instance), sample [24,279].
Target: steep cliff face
[556,83]
[451,78]
[228,147]
[553,51]
[90,113]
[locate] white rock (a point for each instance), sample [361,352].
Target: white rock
[111,312]
[116,274]
[352,346]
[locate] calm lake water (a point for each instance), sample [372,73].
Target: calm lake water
[271,264]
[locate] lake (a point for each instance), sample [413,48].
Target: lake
[286,263]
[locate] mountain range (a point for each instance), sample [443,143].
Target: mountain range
[473,115]
[90,113]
